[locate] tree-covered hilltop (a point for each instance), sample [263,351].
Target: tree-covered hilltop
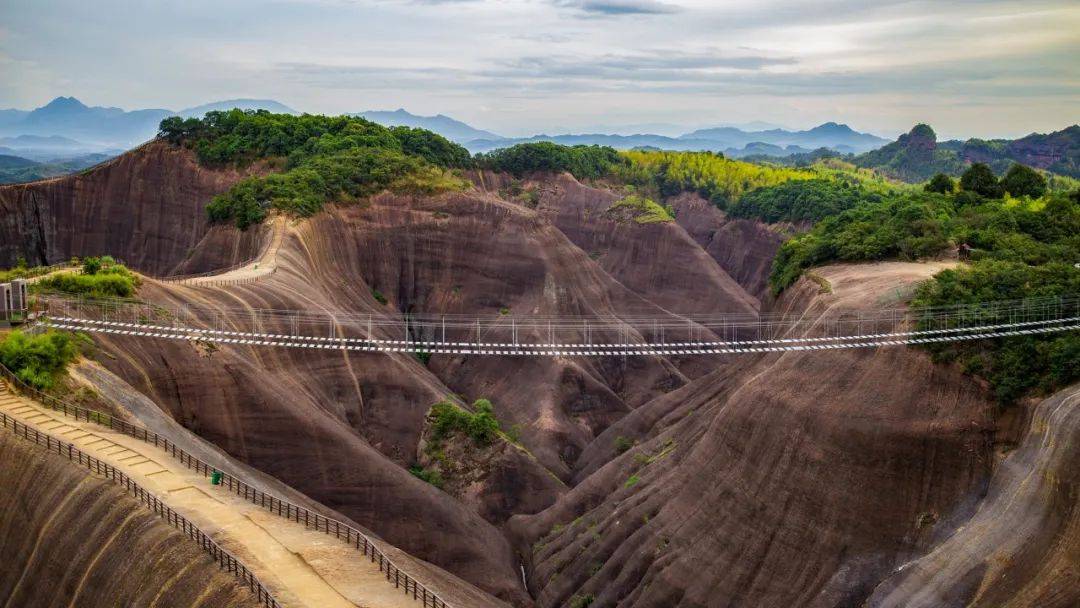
[914,157]
[917,155]
[716,178]
[323,159]
[583,162]
[1021,247]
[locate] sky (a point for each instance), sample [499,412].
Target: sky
[517,67]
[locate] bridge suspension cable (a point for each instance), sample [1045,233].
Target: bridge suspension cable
[566,335]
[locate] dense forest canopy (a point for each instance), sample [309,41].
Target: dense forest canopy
[1021,248]
[324,159]
[583,162]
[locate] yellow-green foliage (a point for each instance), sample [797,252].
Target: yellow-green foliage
[870,180]
[719,179]
[643,210]
[22,272]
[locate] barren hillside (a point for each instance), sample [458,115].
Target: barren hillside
[794,479]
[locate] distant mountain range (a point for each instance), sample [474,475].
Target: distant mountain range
[917,155]
[451,129]
[15,169]
[102,128]
[731,140]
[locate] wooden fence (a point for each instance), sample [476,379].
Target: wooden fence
[340,530]
[224,559]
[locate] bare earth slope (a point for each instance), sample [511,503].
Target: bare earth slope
[1022,547]
[94,545]
[796,480]
[791,479]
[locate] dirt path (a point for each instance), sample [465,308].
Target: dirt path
[266,265]
[301,567]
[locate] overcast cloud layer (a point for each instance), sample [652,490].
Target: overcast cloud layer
[985,68]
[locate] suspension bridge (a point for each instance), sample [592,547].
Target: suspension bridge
[564,335]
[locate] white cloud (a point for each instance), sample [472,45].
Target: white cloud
[556,65]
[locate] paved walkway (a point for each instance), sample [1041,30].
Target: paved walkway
[301,567]
[266,265]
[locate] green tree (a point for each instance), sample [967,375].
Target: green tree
[38,359]
[940,183]
[91,265]
[1022,180]
[980,179]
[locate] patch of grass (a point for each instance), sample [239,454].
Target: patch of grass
[423,357]
[379,297]
[514,433]
[632,481]
[582,601]
[647,458]
[824,286]
[622,444]
[644,210]
[22,272]
[100,278]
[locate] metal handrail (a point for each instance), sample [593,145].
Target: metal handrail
[271,503]
[225,560]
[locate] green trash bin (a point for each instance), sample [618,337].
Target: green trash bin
[215,478]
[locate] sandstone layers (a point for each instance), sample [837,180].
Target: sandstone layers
[70,539]
[781,480]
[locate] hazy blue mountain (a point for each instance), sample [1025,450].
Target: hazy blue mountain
[69,117]
[244,104]
[42,142]
[101,128]
[828,135]
[755,125]
[451,129]
[917,155]
[759,148]
[10,117]
[48,148]
[16,169]
[728,139]
[620,142]
[14,162]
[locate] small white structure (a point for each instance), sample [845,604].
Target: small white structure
[5,301]
[19,301]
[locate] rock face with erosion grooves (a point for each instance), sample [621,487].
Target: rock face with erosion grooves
[145,207]
[1022,547]
[70,538]
[794,479]
[298,565]
[825,479]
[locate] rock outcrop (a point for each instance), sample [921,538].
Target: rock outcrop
[758,480]
[145,207]
[786,480]
[1022,546]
